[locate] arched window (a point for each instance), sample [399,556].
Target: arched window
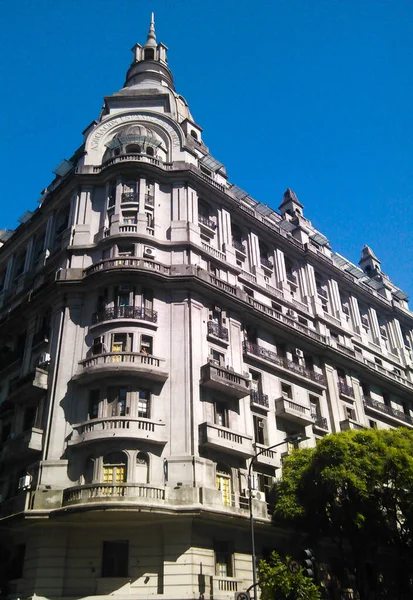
[142,468]
[223,483]
[133,149]
[149,54]
[150,151]
[194,134]
[114,468]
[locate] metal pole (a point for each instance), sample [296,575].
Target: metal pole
[296,438]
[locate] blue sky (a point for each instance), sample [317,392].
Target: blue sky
[315,95]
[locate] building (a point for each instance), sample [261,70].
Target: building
[159,327]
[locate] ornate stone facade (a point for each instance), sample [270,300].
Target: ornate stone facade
[159,327]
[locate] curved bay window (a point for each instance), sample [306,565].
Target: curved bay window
[223,483]
[114,468]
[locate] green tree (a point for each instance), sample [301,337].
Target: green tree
[277,582]
[356,489]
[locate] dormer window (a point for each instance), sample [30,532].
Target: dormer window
[149,54]
[150,151]
[194,135]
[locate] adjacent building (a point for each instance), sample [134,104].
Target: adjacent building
[159,327]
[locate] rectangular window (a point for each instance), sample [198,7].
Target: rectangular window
[146,344]
[147,299]
[115,559]
[350,413]
[144,405]
[126,250]
[256,385]
[94,400]
[117,402]
[98,345]
[216,357]
[221,414]
[259,430]
[315,407]
[286,391]
[121,342]
[223,559]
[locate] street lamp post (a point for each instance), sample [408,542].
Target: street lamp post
[293,438]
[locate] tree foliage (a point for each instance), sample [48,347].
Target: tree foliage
[356,487]
[277,581]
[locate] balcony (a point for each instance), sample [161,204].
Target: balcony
[285,364]
[259,400]
[385,410]
[149,200]
[129,198]
[119,263]
[290,322]
[345,390]
[109,493]
[224,380]
[225,587]
[268,457]
[125,363]
[292,278]
[292,411]
[206,223]
[28,387]
[125,312]
[217,330]
[350,424]
[23,445]
[320,423]
[239,246]
[395,377]
[267,264]
[225,440]
[131,428]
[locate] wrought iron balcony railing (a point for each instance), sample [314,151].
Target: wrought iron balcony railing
[345,389]
[125,312]
[207,222]
[217,330]
[259,398]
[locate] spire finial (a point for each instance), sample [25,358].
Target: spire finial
[151,33]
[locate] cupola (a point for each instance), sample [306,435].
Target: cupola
[150,62]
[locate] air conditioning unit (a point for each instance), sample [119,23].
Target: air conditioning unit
[24,482]
[44,358]
[257,495]
[149,252]
[299,353]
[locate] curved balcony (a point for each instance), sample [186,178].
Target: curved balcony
[124,363]
[118,427]
[104,493]
[125,312]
